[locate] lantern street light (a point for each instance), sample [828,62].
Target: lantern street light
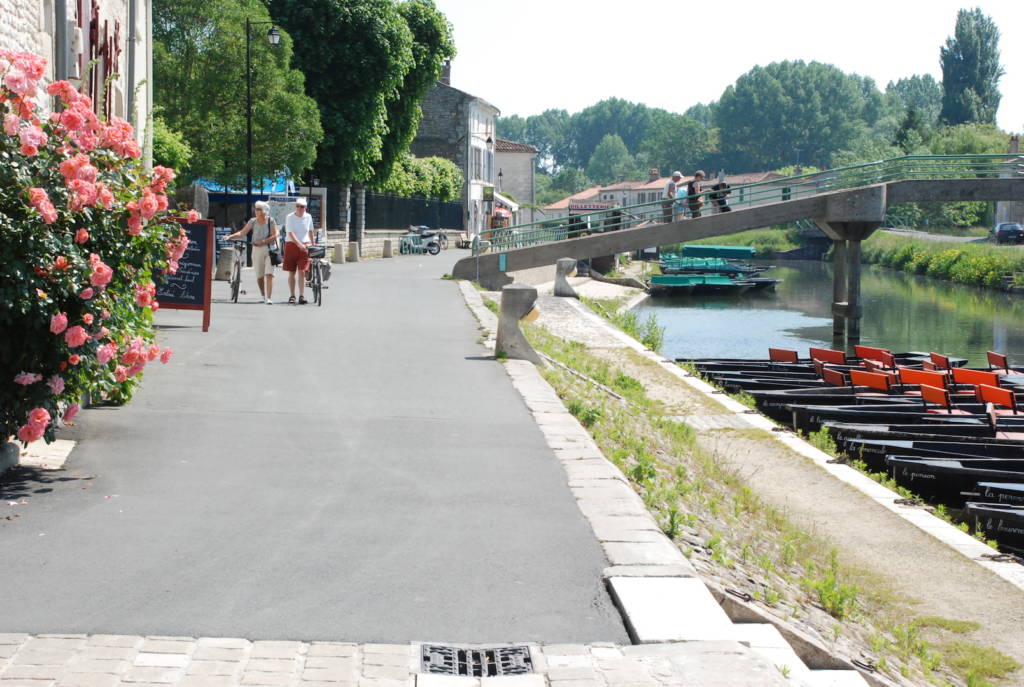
[273,37]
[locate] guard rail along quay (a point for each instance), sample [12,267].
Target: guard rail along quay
[848,204]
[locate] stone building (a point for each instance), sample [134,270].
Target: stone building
[115,35]
[460,127]
[516,168]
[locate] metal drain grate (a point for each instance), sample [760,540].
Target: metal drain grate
[453,660]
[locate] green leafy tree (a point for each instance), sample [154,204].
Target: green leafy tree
[356,55]
[923,93]
[588,127]
[547,132]
[611,161]
[199,64]
[971,70]
[774,113]
[968,139]
[675,141]
[429,177]
[705,114]
[432,45]
[169,147]
[912,132]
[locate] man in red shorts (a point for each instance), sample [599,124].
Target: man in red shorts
[298,235]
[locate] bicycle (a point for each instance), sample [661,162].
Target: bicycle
[315,276]
[236,269]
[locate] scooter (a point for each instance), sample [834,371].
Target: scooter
[421,240]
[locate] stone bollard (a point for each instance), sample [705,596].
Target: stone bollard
[517,303]
[338,254]
[353,251]
[565,268]
[10,453]
[225,261]
[385,252]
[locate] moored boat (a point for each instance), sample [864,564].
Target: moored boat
[1000,521]
[946,479]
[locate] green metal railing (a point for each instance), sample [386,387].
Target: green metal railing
[751,195]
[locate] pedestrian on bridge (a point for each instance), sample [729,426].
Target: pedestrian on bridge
[693,190]
[671,187]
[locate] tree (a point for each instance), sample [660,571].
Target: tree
[611,161]
[429,177]
[355,54]
[787,109]
[588,127]
[432,45]
[912,131]
[546,132]
[169,147]
[971,70]
[923,93]
[675,141]
[970,139]
[199,65]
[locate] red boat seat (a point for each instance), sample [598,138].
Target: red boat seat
[872,380]
[867,353]
[920,377]
[998,363]
[782,355]
[833,377]
[827,355]
[962,375]
[940,361]
[928,365]
[939,397]
[998,397]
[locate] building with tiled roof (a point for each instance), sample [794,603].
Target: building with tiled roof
[516,163]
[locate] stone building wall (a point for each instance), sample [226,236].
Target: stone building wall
[517,179]
[443,127]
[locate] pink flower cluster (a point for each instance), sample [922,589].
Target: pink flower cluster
[26,378]
[101,273]
[145,295]
[38,199]
[176,249]
[38,419]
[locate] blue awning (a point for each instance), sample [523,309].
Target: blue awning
[278,186]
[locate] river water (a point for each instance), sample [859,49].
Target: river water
[902,312]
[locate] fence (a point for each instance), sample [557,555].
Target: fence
[395,212]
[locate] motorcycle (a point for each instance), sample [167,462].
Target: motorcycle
[421,239]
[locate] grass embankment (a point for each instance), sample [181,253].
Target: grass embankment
[714,515]
[977,264]
[764,241]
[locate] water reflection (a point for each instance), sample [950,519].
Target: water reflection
[901,312]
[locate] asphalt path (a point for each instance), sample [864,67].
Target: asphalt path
[359,472]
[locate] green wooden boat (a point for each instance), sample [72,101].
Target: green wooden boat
[680,284]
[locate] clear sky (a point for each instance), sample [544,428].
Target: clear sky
[525,56]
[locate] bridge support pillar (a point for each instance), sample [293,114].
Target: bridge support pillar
[846,303]
[518,303]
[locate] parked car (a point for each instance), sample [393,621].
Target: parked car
[1008,232]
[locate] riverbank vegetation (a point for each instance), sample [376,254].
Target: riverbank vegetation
[976,264]
[738,540]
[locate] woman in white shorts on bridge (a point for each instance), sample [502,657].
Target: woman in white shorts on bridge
[264,239]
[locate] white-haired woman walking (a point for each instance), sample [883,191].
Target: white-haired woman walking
[264,240]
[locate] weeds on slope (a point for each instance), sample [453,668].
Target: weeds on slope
[717,519]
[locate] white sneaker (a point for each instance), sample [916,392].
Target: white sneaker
[269,302]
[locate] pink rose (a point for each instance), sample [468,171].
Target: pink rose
[120,373]
[75,336]
[30,433]
[165,356]
[87,318]
[29,150]
[70,413]
[193,216]
[11,124]
[74,359]
[136,368]
[56,384]
[26,378]
[81,236]
[101,274]
[153,353]
[86,294]
[58,323]
[39,416]
[104,354]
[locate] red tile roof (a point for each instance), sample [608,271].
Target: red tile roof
[502,145]
[582,195]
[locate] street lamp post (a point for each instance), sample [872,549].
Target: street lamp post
[273,37]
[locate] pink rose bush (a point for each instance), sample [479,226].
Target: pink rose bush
[84,238]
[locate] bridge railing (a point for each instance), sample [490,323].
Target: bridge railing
[749,195]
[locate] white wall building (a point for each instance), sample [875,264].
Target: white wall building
[114,34]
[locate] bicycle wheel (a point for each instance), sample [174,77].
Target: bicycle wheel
[318,285]
[236,278]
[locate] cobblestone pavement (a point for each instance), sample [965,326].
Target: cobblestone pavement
[55,660]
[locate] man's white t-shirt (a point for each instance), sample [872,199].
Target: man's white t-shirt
[670,188]
[302,227]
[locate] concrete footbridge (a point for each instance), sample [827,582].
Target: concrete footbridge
[848,204]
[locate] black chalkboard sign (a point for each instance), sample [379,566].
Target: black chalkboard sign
[189,287]
[314,209]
